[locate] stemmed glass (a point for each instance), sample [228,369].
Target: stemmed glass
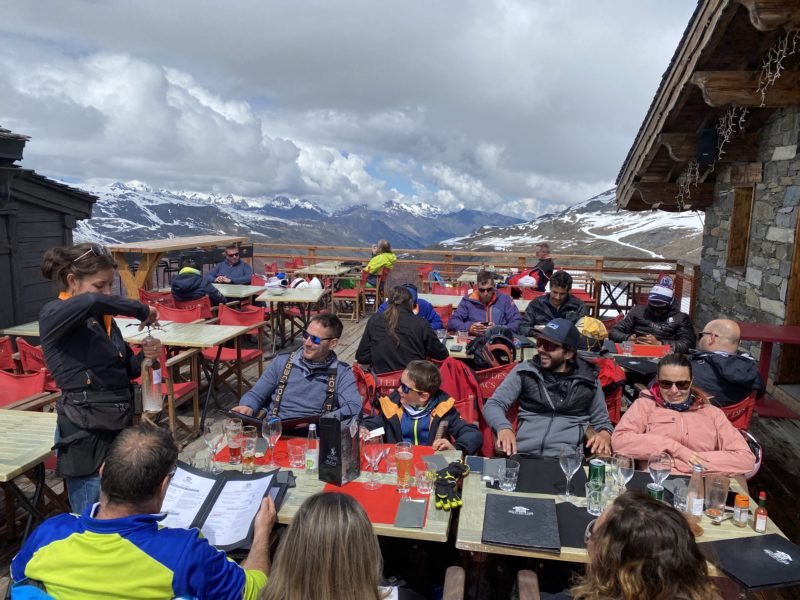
[271,431]
[660,466]
[213,437]
[373,452]
[570,459]
[621,470]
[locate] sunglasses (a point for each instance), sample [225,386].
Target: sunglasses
[547,345]
[407,390]
[665,384]
[232,254]
[315,339]
[702,333]
[94,250]
[486,290]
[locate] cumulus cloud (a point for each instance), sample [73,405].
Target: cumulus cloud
[517,106]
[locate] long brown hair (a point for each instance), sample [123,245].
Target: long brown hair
[82,260]
[399,298]
[644,549]
[329,552]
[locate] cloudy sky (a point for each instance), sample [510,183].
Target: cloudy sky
[519,106]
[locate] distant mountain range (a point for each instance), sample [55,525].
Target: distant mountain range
[595,227]
[133,211]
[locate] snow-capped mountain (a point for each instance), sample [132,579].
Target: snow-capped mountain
[596,227]
[134,211]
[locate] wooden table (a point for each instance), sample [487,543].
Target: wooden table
[768,334]
[152,251]
[614,294]
[470,526]
[437,522]
[26,440]
[304,297]
[445,299]
[331,268]
[470,274]
[232,290]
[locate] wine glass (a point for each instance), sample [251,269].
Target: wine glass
[660,466]
[271,431]
[213,437]
[570,459]
[373,452]
[621,470]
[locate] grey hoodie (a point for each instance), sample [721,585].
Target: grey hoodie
[544,433]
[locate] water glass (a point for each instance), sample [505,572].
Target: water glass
[203,460]
[391,460]
[595,499]
[424,478]
[509,475]
[297,453]
[214,437]
[233,434]
[249,437]
[627,348]
[716,494]
[442,335]
[679,495]
[462,337]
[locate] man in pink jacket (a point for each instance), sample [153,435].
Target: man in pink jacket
[675,417]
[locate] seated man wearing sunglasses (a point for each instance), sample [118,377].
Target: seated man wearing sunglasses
[309,381]
[674,416]
[484,308]
[232,270]
[558,395]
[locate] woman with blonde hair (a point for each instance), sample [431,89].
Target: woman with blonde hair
[329,552]
[643,548]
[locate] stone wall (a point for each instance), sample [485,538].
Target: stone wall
[756,293]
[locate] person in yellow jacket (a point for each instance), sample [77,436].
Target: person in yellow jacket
[382,257]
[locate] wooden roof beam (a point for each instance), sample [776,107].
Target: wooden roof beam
[768,15]
[720,88]
[682,147]
[665,194]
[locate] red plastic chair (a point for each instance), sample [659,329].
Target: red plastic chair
[444,312]
[180,315]
[204,303]
[7,354]
[385,383]
[234,360]
[741,413]
[15,387]
[440,288]
[156,298]
[32,360]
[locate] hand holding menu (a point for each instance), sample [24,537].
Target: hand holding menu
[222,506]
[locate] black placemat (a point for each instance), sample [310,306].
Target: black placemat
[544,476]
[572,522]
[521,522]
[758,562]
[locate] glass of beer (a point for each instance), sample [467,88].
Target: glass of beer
[404,456]
[233,436]
[249,437]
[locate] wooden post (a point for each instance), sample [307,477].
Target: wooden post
[695,290]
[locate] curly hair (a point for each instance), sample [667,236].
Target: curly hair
[644,549]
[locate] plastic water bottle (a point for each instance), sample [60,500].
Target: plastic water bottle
[695,495]
[312,450]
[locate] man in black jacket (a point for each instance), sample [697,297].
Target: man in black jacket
[558,304]
[659,322]
[718,369]
[191,284]
[545,266]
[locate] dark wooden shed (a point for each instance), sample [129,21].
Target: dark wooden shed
[36,214]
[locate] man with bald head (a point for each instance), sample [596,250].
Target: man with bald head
[719,369]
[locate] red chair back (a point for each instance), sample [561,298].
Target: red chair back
[609,323]
[180,315]
[31,357]
[156,298]
[6,354]
[249,315]
[15,387]
[489,379]
[440,288]
[204,303]
[741,413]
[386,382]
[531,294]
[444,312]
[270,269]
[258,279]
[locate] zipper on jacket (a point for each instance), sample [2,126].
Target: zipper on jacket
[416,439]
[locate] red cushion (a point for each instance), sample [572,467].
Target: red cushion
[346,294]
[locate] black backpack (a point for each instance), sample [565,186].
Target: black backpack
[493,348]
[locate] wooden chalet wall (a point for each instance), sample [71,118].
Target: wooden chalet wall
[40,214]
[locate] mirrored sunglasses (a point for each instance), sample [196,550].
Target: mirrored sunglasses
[315,339]
[406,389]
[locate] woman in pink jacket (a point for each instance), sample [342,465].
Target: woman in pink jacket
[675,417]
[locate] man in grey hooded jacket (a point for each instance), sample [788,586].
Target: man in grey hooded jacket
[558,396]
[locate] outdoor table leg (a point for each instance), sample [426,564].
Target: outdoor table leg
[211,389]
[29,504]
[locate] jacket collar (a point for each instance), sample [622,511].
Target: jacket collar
[697,399]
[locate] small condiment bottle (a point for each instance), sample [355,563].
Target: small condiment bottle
[760,516]
[741,510]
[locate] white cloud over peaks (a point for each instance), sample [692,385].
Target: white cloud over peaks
[469,189]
